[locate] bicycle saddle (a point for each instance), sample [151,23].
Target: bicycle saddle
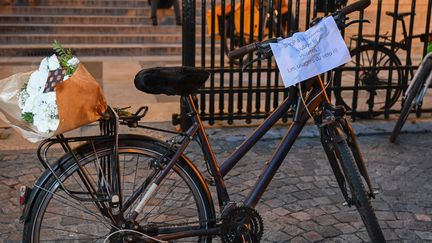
[399,16]
[170,80]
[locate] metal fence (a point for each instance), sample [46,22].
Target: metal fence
[385,54]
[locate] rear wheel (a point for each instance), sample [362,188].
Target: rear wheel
[181,202]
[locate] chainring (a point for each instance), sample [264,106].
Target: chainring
[241,224]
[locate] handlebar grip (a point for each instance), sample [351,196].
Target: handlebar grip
[238,53]
[357,6]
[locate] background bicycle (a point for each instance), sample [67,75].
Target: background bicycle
[413,98]
[381,78]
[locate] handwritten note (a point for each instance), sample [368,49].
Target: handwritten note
[310,53]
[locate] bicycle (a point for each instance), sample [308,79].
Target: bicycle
[379,72]
[416,91]
[131,188]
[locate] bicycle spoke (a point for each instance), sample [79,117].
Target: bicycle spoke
[166,195]
[72,231]
[69,216]
[86,220]
[67,201]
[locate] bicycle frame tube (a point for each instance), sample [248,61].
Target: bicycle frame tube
[283,148]
[281,151]
[315,98]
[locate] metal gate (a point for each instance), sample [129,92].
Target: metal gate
[213,27]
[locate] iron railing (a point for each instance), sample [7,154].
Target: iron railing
[211,27]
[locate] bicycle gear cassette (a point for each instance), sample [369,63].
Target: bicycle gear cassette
[241,224]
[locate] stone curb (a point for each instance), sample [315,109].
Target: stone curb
[10,140]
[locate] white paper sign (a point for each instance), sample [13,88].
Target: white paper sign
[310,53]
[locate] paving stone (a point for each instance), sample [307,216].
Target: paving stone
[328,231]
[345,228]
[312,236]
[323,200]
[313,212]
[303,203]
[382,215]
[423,217]
[299,239]
[351,238]
[397,224]
[325,220]
[308,225]
[293,230]
[347,216]
[302,216]
[278,236]
[424,235]
[280,211]
[406,235]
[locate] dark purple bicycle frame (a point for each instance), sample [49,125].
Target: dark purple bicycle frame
[219,172]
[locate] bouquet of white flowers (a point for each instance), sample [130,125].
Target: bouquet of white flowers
[57,97]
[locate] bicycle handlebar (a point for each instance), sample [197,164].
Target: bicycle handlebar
[357,6]
[241,51]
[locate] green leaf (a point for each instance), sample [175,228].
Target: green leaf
[63,55]
[27,117]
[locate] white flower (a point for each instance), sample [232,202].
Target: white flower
[44,64]
[30,104]
[22,98]
[36,83]
[53,62]
[43,106]
[73,62]
[41,123]
[44,123]
[45,112]
[66,77]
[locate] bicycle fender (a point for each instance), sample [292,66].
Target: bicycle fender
[33,194]
[339,134]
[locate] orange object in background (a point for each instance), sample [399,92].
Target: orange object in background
[238,21]
[247,20]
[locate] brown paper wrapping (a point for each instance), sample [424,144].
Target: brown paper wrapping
[80,100]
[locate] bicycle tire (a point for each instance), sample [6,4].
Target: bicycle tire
[358,193]
[196,206]
[408,100]
[370,84]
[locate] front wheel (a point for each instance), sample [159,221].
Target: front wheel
[407,105]
[359,196]
[182,201]
[422,75]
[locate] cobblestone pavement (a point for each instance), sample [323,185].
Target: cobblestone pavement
[303,202]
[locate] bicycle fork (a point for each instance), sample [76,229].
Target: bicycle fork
[334,128]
